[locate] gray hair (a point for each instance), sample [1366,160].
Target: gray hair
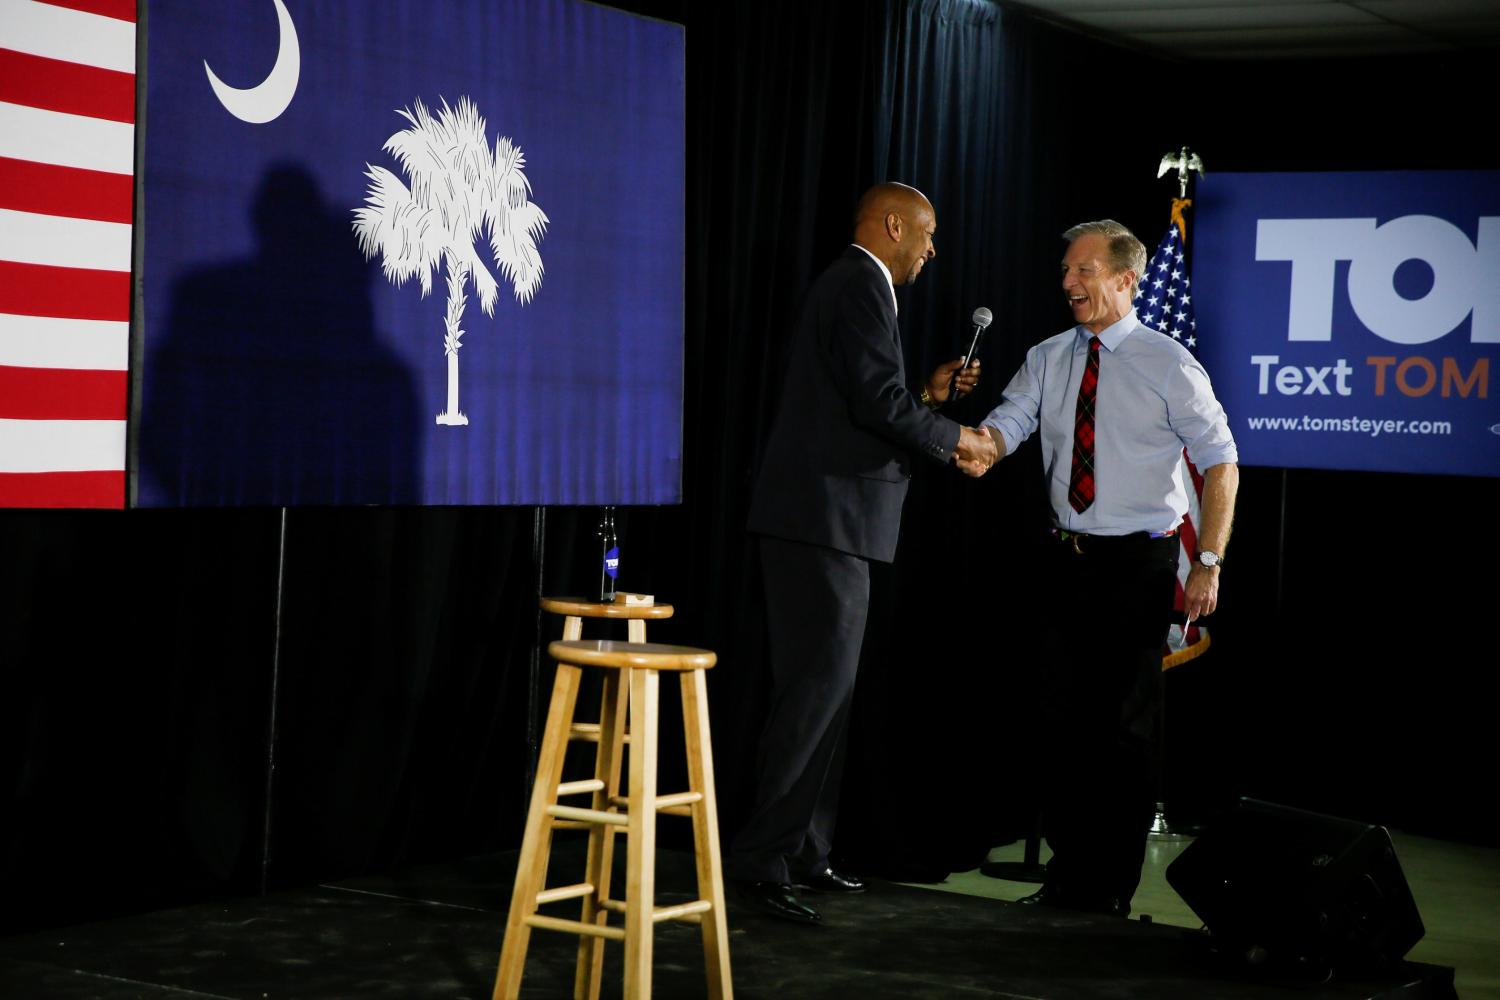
[1126,253]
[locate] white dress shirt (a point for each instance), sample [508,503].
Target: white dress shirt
[1154,399]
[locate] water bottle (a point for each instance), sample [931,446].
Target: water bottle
[610,543]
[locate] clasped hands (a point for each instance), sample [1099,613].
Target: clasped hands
[976,451]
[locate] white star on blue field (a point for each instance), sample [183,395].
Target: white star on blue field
[1164,299]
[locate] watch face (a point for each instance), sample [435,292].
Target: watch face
[1209,559]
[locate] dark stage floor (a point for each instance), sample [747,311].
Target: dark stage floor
[435,933]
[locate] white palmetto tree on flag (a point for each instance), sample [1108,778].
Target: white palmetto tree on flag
[460,191]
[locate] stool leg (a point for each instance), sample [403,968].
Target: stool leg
[636,632]
[602,837]
[536,843]
[572,628]
[706,834]
[640,851]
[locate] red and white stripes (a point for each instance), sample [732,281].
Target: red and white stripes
[67,155]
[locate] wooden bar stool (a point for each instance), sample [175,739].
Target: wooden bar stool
[574,610]
[635,666]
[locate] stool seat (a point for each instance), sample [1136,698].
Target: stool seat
[578,607]
[630,655]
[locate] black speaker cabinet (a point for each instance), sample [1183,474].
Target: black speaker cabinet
[1299,886]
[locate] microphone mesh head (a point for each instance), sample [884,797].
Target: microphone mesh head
[982,317]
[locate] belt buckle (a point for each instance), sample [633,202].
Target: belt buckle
[1073,538]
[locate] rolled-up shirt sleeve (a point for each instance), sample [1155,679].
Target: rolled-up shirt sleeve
[1015,419]
[1197,418]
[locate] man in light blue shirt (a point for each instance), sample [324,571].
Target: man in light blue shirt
[1115,404]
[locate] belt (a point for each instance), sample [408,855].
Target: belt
[1082,543]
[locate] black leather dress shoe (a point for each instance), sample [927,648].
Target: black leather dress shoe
[1047,895]
[776,899]
[829,880]
[1066,899]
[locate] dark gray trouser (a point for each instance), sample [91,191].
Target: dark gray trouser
[1100,711]
[817,600]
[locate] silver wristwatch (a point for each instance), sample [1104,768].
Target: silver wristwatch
[1209,559]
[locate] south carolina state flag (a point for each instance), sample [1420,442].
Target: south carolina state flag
[411,252]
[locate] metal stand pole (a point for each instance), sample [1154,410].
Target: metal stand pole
[534,673]
[271,724]
[1281,546]
[1160,828]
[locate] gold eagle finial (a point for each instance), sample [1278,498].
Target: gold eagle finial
[1184,162]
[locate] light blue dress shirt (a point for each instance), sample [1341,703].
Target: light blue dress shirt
[1154,399]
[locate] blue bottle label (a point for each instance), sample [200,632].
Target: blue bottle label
[612,562]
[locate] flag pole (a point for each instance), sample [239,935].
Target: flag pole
[1183,163]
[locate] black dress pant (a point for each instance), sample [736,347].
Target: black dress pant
[1101,704]
[817,600]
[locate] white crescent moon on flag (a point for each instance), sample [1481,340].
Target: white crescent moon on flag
[269,98]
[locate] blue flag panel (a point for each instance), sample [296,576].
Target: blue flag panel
[1351,320]
[413,252]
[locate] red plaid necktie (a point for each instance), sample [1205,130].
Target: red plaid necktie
[1081,485]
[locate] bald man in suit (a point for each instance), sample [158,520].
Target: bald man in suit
[827,502]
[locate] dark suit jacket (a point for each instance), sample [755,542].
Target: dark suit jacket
[837,462]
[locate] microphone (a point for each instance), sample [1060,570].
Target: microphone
[981,319]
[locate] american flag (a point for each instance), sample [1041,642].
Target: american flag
[1164,302]
[67,164]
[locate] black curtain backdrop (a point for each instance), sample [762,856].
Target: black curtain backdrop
[138,650]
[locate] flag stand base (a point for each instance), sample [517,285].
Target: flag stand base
[1161,829]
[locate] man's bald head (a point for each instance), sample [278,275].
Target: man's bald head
[896,223]
[891,196]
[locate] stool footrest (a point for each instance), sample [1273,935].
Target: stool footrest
[691,913]
[587,732]
[579,787]
[588,815]
[576,927]
[675,804]
[564,892]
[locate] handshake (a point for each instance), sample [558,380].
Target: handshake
[977,451]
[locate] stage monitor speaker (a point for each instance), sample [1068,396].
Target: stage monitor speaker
[1274,881]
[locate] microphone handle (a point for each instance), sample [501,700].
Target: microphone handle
[968,359]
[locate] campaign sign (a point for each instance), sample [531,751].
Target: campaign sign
[411,252]
[1352,320]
